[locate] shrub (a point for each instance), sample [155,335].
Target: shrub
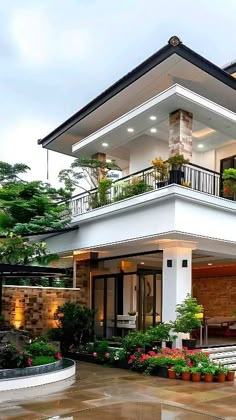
[135,340]
[130,189]
[76,323]
[41,348]
[186,320]
[14,357]
[101,350]
[42,360]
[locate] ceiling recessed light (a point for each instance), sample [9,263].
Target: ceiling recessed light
[130,130]
[105,144]
[209,264]
[153,117]
[200,146]
[142,263]
[153,130]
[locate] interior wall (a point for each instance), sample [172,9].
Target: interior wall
[224,152]
[144,149]
[205,159]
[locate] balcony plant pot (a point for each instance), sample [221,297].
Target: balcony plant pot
[208,377]
[221,377]
[190,344]
[196,377]
[169,344]
[157,344]
[171,374]
[230,375]
[176,176]
[186,376]
[160,184]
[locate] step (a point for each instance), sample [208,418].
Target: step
[232,367]
[211,350]
[225,361]
[222,354]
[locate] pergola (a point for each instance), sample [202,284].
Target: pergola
[17,270]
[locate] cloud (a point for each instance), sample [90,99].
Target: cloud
[42,42]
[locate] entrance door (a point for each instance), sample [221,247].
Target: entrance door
[107,300]
[149,298]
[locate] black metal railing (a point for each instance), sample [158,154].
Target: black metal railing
[192,176]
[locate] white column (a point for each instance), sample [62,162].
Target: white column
[176,276]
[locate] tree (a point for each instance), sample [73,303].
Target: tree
[30,207]
[89,169]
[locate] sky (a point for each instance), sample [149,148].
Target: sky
[57,55]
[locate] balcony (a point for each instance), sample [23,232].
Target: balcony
[148,180]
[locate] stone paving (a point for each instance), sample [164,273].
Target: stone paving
[103,393]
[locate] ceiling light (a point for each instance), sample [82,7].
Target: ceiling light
[105,144]
[153,117]
[200,146]
[142,263]
[153,130]
[209,264]
[130,130]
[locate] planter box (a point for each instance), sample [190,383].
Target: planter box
[162,372]
[29,371]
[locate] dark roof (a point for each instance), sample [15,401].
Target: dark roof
[174,46]
[230,68]
[9,269]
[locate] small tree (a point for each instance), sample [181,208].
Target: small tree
[89,169]
[186,318]
[76,323]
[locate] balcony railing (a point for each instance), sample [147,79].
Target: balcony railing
[190,175]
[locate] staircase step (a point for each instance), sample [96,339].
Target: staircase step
[221,355]
[225,361]
[232,367]
[212,350]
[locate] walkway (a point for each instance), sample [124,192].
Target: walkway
[101,393]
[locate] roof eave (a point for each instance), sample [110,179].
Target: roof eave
[174,46]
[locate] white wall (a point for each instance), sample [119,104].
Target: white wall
[224,152]
[144,149]
[205,159]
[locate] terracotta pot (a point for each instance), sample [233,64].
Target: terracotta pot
[220,377]
[208,377]
[186,376]
[230,376]
[196,377]
[171,374]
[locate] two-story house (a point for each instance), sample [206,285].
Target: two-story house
[144,253]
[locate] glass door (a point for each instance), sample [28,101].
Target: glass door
[107,296]
[149,298]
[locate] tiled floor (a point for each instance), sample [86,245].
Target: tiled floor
[101,393]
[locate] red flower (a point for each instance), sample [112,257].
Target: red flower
[59,356]
[29,361]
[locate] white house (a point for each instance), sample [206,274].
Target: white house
[146,252]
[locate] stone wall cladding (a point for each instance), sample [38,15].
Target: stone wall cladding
[216,294]
[180,133]
[34,308]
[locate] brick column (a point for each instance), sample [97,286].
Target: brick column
[180,133]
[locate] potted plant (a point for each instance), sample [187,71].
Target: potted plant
[208,371]
[161,169]
[187,319]
[186,374]
[171,373]
[229,183]
[178,368]
[221,373]
[230,375]
[176,173]
[132,313]
[196,372]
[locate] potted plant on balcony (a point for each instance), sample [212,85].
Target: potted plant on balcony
[176,173]
[161,169]
[229,183]
[187,319]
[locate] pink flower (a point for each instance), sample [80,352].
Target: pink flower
[107,354]
[95,354]
[21,352]
[139,349]
[59,356]
[128,352]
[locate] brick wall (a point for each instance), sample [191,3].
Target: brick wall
[216,294]
[34,307]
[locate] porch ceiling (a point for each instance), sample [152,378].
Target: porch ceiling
[213,125]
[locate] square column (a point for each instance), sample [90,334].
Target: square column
[177,276]
[180,133]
